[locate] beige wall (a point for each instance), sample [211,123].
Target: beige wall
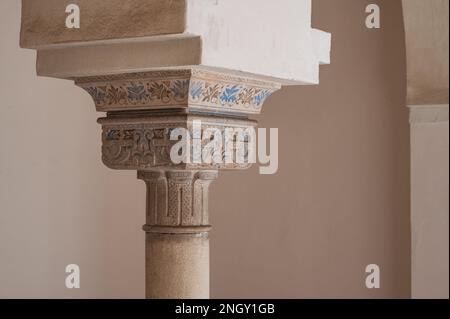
[339,202]
[430,207]
[427,32]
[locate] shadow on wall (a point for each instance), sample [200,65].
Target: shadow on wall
[340,200]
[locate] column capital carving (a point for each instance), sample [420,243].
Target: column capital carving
[143,109]
[143,141]
[177,201]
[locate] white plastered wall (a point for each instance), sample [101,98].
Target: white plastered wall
[257,37]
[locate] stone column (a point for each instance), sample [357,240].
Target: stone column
[143,112]
[154,67]
[177,233]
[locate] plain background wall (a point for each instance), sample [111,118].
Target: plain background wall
[430,210]
[427,34]
[339,202]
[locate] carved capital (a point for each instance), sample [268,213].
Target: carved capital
[177,201]
[144,142]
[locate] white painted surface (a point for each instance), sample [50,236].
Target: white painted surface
[270,38]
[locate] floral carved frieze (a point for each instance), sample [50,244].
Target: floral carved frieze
[132,147]
[190,89]
[144,144]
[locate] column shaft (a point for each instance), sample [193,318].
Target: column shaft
[177,266]
[177,234]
